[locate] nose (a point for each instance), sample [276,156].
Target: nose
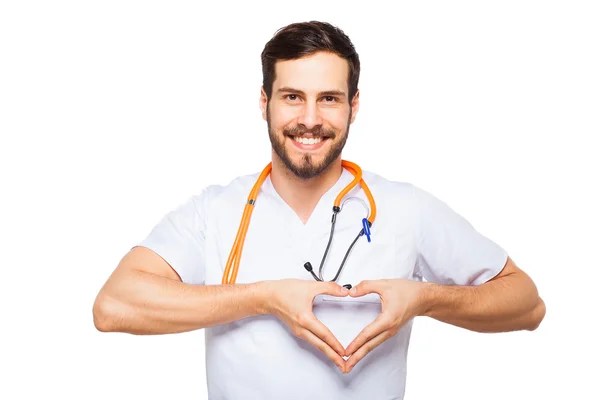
[310,116]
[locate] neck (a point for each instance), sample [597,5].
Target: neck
[302,195]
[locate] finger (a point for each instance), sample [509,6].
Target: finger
[363,288]
[366,349]
[317,328]
[324,347]
[379,325]
[332,288]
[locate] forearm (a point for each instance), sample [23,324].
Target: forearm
[507,304]
[142,303]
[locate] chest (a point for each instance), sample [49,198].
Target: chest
[278,244]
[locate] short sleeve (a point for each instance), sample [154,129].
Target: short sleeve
[179,238]
[450,251]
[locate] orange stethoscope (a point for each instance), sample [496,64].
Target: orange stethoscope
[233,262]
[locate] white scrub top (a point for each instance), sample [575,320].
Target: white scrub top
[415,236]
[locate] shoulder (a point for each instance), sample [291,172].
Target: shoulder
[397,188]
[232,192]
[388,187]
[406,198]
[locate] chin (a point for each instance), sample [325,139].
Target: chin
[300,162]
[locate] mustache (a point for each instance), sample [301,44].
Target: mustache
[317,131]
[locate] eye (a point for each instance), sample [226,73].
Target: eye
[291,97]
[330,99]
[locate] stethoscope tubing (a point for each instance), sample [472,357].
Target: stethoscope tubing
[232,265]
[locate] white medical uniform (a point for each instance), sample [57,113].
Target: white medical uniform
[415,236]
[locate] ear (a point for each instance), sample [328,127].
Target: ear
[263,102]
[354,105]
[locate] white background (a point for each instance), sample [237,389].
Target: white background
[112,113]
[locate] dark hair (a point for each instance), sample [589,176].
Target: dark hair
[306,38]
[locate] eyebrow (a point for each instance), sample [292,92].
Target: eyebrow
[325,93]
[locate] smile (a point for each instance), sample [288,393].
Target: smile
[308,143]
[308,140]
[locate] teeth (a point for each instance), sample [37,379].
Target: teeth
[308,140]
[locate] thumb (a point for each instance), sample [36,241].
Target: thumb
[333,289]
[363,288]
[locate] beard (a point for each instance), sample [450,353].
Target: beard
[307,168]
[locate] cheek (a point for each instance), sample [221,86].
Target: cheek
[338,122]
[280,118]
[335,117]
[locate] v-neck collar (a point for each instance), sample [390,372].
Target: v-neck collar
[320,218]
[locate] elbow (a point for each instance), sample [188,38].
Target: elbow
[101,314]
[537,315]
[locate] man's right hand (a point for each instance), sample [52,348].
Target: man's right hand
[291,300]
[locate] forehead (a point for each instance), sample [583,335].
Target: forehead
[318,72]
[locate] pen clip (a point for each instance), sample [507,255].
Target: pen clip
[366,229]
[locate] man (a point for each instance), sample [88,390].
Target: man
[275,332]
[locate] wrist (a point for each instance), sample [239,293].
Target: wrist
[262,298]
[427,299]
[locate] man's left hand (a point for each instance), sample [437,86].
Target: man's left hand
[401,300]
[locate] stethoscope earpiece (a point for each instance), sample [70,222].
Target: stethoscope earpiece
[348,286]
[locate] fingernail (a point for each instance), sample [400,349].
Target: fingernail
[353,290]
[344,290]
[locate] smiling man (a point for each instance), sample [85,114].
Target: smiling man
[275,330]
